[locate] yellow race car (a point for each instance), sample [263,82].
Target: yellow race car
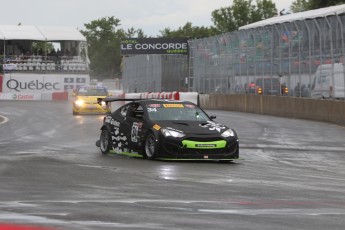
[85,100]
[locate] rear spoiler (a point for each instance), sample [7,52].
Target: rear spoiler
[107,100]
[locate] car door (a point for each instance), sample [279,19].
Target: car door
[132,126]
[118,124]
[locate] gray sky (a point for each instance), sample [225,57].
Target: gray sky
[149,15]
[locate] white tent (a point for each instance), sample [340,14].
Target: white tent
[40,33]
[311,14]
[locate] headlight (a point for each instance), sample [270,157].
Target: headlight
[228,133]
[79,102]
[103,104]
[172,133]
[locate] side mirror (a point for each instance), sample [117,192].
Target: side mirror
[213,117]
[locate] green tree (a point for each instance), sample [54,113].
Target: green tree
[242,12]
[103,38]
[304,5]
[316,4]
[300,6]
[42,48]
[189,31]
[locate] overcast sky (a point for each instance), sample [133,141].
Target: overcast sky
[149,15]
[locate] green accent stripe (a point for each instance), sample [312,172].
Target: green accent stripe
[204,145]
[127,154]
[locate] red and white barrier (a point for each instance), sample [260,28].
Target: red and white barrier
[65,95]
[175,95]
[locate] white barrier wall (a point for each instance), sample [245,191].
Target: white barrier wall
[190,96]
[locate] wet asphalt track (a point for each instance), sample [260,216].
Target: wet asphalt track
[292,176]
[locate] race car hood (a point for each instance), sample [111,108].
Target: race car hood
[194,127]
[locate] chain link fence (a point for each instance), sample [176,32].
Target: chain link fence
[155,73]
[305,57]
[301,58]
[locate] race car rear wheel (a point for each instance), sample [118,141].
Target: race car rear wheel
[105,141]
[150,146]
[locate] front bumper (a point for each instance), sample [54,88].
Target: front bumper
[91,109]
[174,149]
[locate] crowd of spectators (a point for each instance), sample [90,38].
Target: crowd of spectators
[54,61]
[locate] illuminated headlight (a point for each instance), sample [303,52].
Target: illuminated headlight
[228,133]
[79,102]
[103,104]
[172,133]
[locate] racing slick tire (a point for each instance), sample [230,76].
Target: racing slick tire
[105,141]
[150,147]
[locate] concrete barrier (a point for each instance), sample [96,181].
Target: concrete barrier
[332,111]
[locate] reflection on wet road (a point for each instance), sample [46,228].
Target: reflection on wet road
[291,176]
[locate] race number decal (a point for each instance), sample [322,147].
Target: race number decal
[150,110]
[135,131]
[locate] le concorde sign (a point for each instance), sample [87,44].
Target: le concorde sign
[133,46]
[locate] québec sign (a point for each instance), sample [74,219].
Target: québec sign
[33,85]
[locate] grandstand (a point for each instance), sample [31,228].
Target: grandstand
[40,73]
[17,52]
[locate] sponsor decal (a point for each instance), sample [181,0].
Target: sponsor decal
[173,105]
[155,105]
[206,145]
[156,127]
[111,121]
[134,132]
[213,126]
[189,106]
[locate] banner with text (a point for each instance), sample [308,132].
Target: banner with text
[134,46]
[30,83]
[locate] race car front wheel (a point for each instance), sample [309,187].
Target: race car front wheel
[150,146]
[105,141]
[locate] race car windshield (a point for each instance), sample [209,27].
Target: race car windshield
[92,92]
[192,113]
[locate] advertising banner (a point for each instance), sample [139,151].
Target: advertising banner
[135,46]
[21,96]
[24,83]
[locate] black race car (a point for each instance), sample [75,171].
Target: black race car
[166,129]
